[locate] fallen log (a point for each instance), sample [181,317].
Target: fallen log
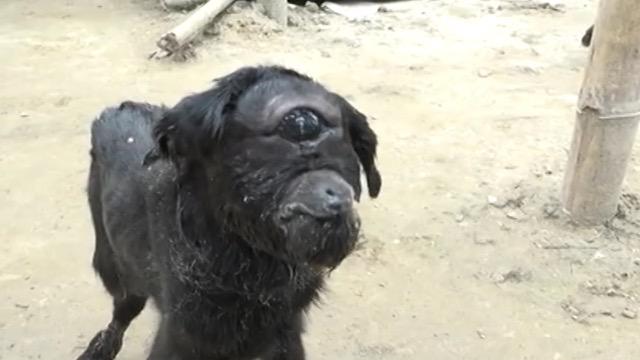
[181,35]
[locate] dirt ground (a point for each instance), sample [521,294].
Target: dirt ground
[467,254]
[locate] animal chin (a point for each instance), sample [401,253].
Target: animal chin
[320,243]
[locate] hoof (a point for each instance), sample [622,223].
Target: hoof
[104,346]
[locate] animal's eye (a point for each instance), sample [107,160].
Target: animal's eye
[300,124]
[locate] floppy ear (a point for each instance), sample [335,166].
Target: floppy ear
[365,143]
[197,119]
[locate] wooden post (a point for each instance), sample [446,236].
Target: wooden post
[608,115]
[277,10]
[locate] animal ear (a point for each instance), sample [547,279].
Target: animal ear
[164,143]
[365,143]
[197,119]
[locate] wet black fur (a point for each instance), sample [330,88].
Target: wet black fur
[191,230]
[586,38]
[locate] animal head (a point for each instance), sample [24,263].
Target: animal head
[279,158]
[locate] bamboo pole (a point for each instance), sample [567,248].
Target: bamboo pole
[608,115]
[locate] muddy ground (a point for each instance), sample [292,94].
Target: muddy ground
[467,254]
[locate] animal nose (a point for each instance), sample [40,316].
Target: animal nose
[336,203]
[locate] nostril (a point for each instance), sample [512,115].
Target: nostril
[336,204]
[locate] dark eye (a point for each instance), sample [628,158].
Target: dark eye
[300,125]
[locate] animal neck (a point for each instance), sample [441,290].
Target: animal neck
[196,217]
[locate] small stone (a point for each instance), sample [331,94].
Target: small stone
[213,30]
[481,334]
[483,73]
[607,313]
[239,6]
[569,308]
[612,292]
[63,101]
[528,70]
[483,241]
[460,218]
[312,7]
[517,276]
[504,227]
[496,202]
[513,215]
[629,314]
[24,114]
[293,21]
[551,210]
[130,140]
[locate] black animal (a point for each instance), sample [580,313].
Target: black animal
[586,38]
[227,210]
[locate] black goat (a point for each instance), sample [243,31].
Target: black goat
[227,210]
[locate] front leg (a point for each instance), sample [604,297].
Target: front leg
[167,345]
[107,343]
[289,343]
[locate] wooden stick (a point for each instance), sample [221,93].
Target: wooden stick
[608,115]
[182,34]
